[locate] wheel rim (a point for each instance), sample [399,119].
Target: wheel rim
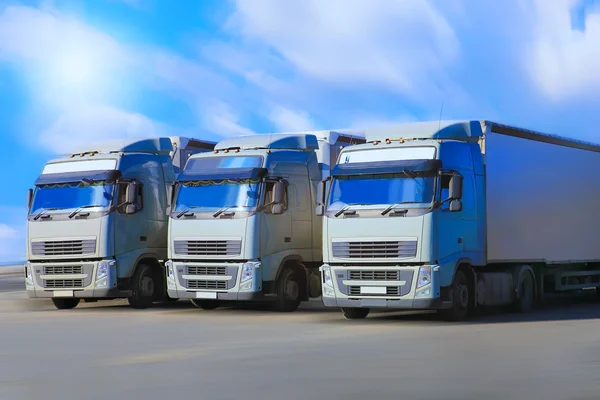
[291,290]
[147,286]
[462,295]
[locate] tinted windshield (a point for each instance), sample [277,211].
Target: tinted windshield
[381,190]
[72,195]
[217,194]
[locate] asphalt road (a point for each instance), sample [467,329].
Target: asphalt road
[11,282]
[109,351]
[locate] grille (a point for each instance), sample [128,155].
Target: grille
[63,269]
[208,247]
[63,247]
[63,283]
[204,270]
[373,275]
[207,285]
[390,291]
[387,249]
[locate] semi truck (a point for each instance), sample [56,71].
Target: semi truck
[243,226]
[456,215]
[97,224]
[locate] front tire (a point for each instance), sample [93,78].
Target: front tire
[288,291]
[205,304]
[461,299]
[355,313]
[143,287]
[65,304]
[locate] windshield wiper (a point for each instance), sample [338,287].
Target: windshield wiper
[347,206]
[222,210]
[38,215]
[74,213]
[391,207]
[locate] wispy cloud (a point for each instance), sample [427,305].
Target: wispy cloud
[287,120]
[12,233]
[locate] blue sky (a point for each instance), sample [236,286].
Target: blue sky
[75,71]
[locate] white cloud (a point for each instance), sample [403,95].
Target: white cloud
[403,45]
[221,120]
[563,61]
[7,232]
[287,120]
[87,124]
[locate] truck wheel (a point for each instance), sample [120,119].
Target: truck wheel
[65,304]
[205,304]
[461,299]
[142,287]
[355,313]
[288,291]
[526,294]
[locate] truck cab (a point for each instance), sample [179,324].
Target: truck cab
[97,223]
[242,224]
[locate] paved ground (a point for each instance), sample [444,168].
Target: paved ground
[108,351]
[11,282]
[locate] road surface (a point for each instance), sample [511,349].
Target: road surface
[109,351]
[12,282]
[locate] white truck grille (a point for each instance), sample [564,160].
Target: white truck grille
[208,247]
[375,249]
[63,247]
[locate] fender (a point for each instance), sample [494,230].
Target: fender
[286,259]
[517,273]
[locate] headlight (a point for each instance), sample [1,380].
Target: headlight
[28,272]
[170,271]
[104,268]
[424,276]
[327,277]
[247,271]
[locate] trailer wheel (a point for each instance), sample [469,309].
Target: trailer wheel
[461,298]
[355,313]
[526,290]
[205,304]
[288,290]
[143,287]
[65,304]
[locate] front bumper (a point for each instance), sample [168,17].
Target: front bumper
[372,286]
[215,281]
[87,279]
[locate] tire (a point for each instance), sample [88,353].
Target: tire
[355,313]
[205,304]
[288,291]
[526,298]
[65,304]
[461,299]
[143,287]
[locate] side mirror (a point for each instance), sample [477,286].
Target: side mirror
[131,193]
[130,209]
[29,197]
[278,193]
[455,190]
[455,206]
[277,209]
[320,210]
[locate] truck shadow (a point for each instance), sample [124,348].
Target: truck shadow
[559,308]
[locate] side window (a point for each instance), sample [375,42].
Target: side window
[122,189]
[269,197]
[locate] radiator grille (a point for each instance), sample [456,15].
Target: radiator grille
[390,291]
[63,283]
[194,284]
[63,247]
[63,269]
[375,249]
[373,275]
[204,270]
[208,247]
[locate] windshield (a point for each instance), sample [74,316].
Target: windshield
[217,194]
[72,195]
[381,190]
